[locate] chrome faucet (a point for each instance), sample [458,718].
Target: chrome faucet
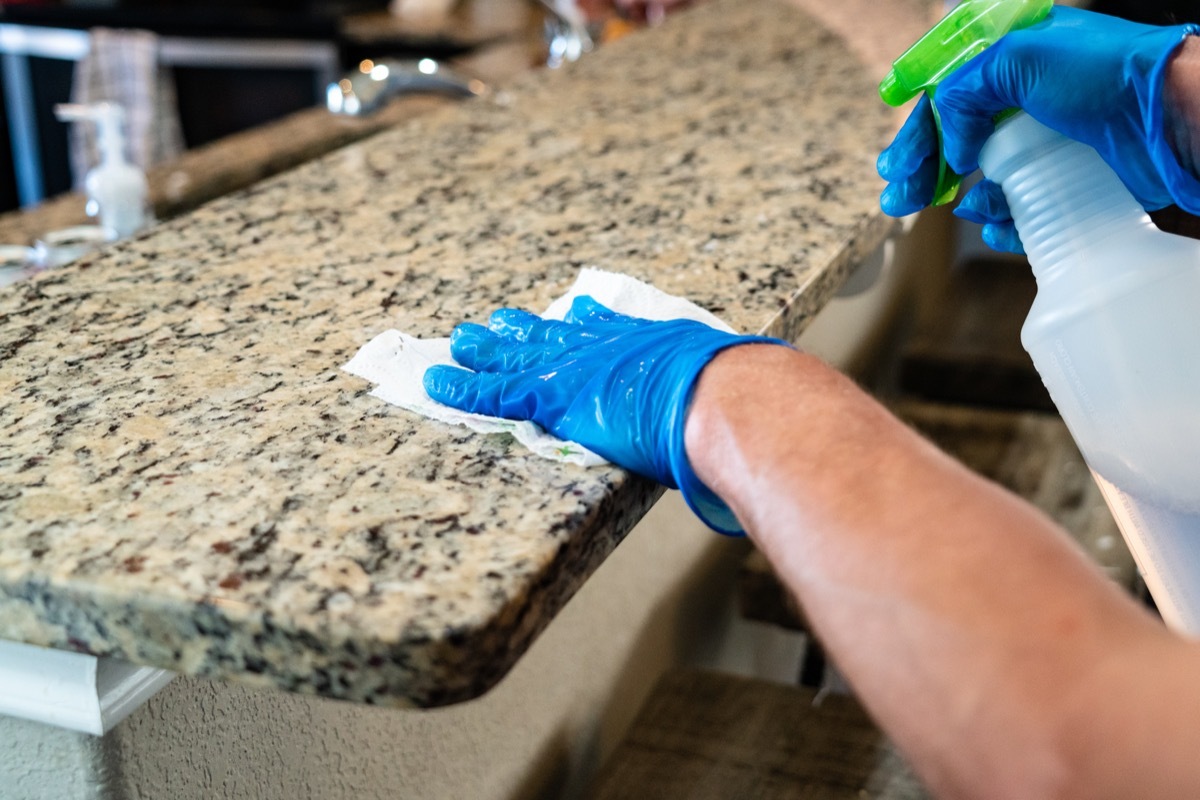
[566,32]
[373,83]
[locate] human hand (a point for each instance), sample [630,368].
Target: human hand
[638,11]
[650,11]
[1091,77]
[617,385]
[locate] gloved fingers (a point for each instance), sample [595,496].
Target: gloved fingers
[466,341]
[969,99]
[983,204]
[588,314]
[514,323]
[487,393]
[912,147]
[910,195]
[532,329]
[1003,236]
[482,350]
[910,164]
[451,386]
[586,309]
[468,330]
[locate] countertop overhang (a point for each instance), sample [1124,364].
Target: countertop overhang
[187,478]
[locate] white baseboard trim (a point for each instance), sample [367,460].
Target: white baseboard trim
[72,690]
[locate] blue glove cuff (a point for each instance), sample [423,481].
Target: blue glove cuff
[1180,183]
[703,501]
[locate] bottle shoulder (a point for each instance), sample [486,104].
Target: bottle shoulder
[116,179]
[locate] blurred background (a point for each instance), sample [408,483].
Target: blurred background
[193,71]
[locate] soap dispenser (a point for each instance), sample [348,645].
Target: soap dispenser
[1113,331]
[116,189]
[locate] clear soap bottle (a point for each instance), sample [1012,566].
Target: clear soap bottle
[117,190]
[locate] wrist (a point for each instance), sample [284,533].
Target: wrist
[744,395]
[701,498]
[1181,104]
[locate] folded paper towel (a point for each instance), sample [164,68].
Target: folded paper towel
[396,362]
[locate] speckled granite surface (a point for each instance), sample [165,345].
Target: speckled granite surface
[188,480]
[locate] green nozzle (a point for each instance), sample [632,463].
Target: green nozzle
[969,29]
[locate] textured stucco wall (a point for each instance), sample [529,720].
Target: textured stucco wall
[39,762]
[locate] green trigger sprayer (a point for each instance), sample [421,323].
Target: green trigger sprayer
[968,30]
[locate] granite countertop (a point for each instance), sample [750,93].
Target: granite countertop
[187,478]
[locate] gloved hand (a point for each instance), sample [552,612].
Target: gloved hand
[1092,77]
[617,385]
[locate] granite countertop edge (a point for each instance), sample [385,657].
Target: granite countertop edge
[433,660]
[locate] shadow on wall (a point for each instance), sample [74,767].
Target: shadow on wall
[693,623]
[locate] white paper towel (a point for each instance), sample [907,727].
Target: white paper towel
[396,362]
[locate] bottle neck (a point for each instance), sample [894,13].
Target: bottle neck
[112,155]
[1065,200]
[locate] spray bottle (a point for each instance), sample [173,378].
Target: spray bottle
[116,189]
[1114,331]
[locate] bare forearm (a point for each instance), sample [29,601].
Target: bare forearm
[970,625]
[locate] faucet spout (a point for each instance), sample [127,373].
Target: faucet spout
[373,83]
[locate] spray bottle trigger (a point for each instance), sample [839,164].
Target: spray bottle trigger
[967,30]
[948,181]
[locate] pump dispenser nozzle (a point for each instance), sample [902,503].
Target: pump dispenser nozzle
[969,29]
[116,189]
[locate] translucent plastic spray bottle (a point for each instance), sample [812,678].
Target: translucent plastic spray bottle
[1114,330]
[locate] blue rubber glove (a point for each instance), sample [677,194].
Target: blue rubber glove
[1095,78]
[618,385]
